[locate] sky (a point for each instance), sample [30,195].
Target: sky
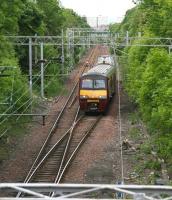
[107,11]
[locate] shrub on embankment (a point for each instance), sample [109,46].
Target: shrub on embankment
[148,70]
[149,84]
[29,18]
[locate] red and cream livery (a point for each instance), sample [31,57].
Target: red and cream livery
[96,87]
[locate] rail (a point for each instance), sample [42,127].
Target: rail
[42,158]
[83,138]
[51,132]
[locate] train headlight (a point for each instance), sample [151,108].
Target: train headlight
[83,97]
[102,97]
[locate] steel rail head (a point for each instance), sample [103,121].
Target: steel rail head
[75,122]
[87,133]
[31,172]
[30,176]
[49,153]
[54,146]
[50,133]
[53,128]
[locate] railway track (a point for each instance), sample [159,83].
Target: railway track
[81,129]
[61,144]
[55,162]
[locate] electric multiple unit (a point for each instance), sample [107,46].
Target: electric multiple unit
[96,87]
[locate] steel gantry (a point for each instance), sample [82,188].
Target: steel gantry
[68,41]
[85,37]
[41,41]
[75,37]
[4,72]
[84,191]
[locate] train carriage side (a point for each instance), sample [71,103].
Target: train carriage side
[96,88]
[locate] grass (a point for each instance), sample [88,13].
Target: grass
[133,118]
[52,90]
[146,148]
[4,152]
[152,164]
[134,133]
[147,167]
[16,130]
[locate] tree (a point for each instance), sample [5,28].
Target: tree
[10,11]
[156,91]
[31,20]
[53,18]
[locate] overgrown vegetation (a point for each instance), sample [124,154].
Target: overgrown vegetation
[25,17]
[148,70]
[29,18]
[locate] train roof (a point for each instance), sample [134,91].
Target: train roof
[100,69]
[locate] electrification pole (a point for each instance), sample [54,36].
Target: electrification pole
[139,34]
[127,38]
[30,66]
[42,70]
[62,58]
[36,50]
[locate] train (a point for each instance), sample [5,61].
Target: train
[97,86]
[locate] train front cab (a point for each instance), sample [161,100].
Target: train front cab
[93,93]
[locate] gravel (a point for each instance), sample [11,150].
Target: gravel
[99,159]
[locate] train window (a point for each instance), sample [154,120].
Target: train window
[87,83]
[93,84]
[99,84]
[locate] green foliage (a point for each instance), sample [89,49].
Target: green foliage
[150,15]
[114,28]
[152,164]
[156,92]
[31,21]
[7,52]
[158,13]
[53,18]
[148,70]
[53,86]
[14,81]
[149,83]
[148,77]
[135,68]
[134,133]
[146,147]
[163,145]
[134,21]
[25,17]
[71,19]
[10,11]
